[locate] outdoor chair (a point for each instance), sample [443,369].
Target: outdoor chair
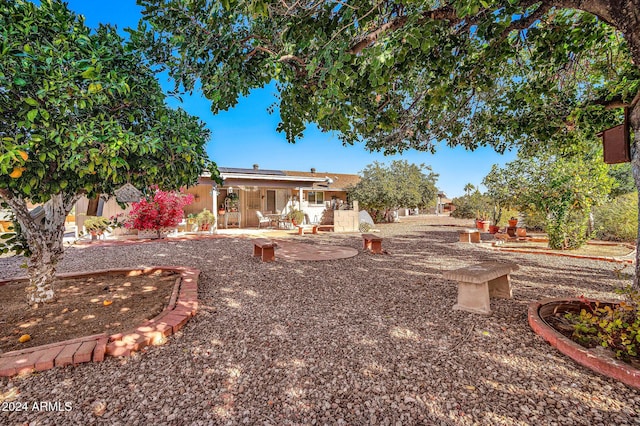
[262,219]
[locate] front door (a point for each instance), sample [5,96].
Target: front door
[252,206]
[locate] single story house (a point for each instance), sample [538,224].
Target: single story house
[266,191]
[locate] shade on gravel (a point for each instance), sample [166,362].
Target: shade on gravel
[370,339]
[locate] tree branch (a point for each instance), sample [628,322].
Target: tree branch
[292,58]
[525,22]
[373,36]
[616,102]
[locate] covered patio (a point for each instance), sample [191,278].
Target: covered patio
[258,190]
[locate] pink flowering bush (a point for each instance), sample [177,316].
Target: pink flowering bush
[162,209]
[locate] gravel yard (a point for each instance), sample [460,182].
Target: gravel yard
[370,339]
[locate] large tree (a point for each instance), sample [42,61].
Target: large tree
[383,188]
[405,74]
[80,114]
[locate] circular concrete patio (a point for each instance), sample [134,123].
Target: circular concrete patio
[291,251]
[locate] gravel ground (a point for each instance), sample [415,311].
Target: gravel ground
[365,340]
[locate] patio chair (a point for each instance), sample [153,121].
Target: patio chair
[262,219]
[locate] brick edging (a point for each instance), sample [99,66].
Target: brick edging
[575,256]
[182,306]
[609,367]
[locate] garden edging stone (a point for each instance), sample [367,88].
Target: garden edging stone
[586,357]
[183,304]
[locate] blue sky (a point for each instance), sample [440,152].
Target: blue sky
[246,134]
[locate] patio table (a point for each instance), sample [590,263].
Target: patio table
[274,218]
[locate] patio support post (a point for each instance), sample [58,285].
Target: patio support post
[214,209]
[300,198]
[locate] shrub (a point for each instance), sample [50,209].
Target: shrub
[97,224]
[611,326]
[472,205]
[205,217]
[568,232]
[163,209]
[618,219]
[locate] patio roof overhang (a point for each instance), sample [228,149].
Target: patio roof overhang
[264,180]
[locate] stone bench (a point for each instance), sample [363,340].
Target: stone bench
[373,243]
[303,228]
[265,248]
[325,227]
[470,236]
[478,283]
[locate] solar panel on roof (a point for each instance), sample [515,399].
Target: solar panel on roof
[251,171]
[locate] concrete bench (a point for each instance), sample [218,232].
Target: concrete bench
[325,227]
[265,248]
[373,243]
[477,283]
[470,236]
[303,228]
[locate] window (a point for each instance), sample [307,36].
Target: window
[315,197]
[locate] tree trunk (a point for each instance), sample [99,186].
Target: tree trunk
[44,238]
[42,270]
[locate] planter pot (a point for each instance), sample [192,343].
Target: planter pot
[513,223]
[521,232]
[493,229]
[484,225]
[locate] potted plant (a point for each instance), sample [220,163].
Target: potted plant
[232,201]
[513,222]
[159,212]
[495,219]
[205,219]
[191,221]
[295,216]
[97,225]
[481,221]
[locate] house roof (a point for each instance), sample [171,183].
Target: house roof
[320,180]
[236,170]
[331,181]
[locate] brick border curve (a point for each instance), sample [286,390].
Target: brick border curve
[623,259]
[183,305]
[589,358]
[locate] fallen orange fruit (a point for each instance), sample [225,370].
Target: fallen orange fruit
[24,338]
[107,302]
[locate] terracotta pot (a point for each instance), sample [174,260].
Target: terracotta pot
[493,229]
[479,224]
[513,223]
[521,232]
[484,225]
